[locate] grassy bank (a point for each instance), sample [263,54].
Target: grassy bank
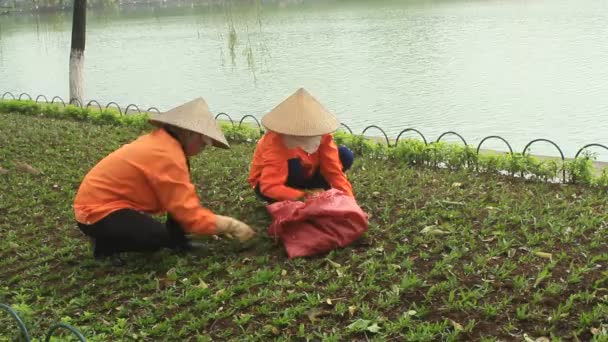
[450,255]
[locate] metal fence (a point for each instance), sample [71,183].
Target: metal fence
[133,108]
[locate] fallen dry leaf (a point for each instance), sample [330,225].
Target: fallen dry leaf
[527,338]
[489,239]
[172,274]
[202,284]
[433,230]
[333,263]
[27,168]
[457,326]
[543,255]
[314,314]
[351,310]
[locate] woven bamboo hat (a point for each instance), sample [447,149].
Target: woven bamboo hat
[301,114]
[194,116]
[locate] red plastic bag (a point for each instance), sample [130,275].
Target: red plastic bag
[322,223]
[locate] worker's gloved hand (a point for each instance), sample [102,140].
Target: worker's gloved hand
[313,192]
[234,228]
[309,193]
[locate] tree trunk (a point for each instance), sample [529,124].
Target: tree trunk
[79,21]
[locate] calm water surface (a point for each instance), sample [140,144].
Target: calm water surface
[519,69]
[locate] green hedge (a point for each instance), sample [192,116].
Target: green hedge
[410,151]
[415,152]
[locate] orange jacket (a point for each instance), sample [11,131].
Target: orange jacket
[149,175]
[269,167]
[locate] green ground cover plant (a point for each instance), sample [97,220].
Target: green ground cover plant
[454,252]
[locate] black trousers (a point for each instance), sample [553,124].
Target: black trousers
[131,231]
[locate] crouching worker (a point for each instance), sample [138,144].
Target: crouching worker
[297,157]
[151,175]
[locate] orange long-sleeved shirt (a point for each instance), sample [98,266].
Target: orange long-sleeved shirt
[269,166]
[149,175]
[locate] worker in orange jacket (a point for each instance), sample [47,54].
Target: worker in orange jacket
[297,157]
[151,176]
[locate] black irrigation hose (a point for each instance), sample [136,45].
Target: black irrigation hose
[68,327]
[26,336]
[19,321]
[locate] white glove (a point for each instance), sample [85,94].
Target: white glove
[234,228]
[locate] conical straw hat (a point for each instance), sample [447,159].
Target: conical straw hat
[301,114]
[193,116]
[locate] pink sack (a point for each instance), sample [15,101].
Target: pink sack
[322,223]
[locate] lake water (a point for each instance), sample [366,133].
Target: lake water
[518,69]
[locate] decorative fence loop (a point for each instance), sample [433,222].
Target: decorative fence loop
[556,146]
[388,143]
[116,105]
[411,130]
[347,128]
[39,96]
[19,321]
[8,93]
[26,94]
[132,105]
[73,330]
[452,133]
[76,102]
[60,99]
[94,101]
[226,115]
[589,145]
[494,137]
[255,119]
